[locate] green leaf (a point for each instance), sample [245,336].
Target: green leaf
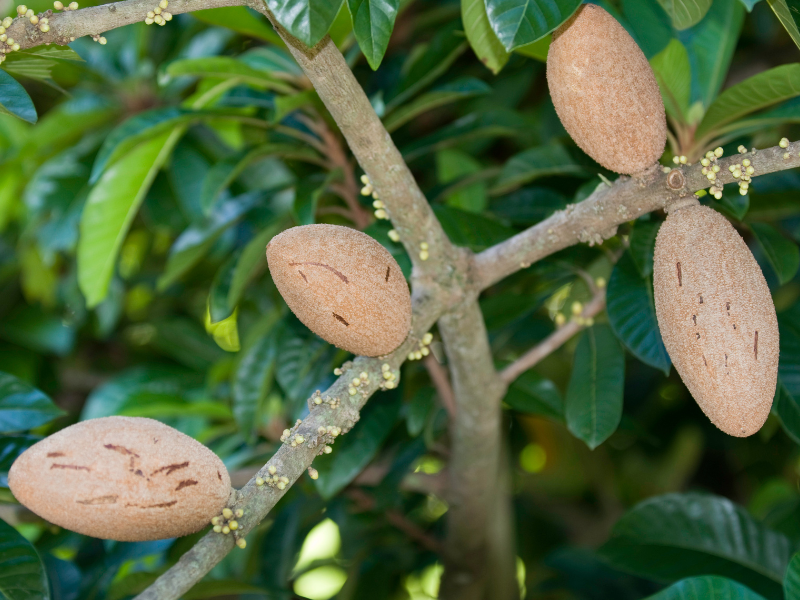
[307,194]
[225,587]
[520,22]
[461,89]
[307,20]
[49,52]
[14,100]
[787,18]
[177,408]
[673,73]
[650,25]
[219,308]
[538,49]
[225,67]
[22,575]
[789,356]
[791,583]
[354,451]
[642,243]
[240,20]
[110,209]
[682,535]
[483,40]
[304,362]
[30,327]
[706,588]
[593,406]
[782,253]
[419,410]
[754,93]
[22,406]
[252,260]
[685,13]
[542,161]
[253,380]
[732,203]
[535,395]
[373,21]
[270,59]
[474,231]
[451,165]
[285,105]
[786,407]
[632,314]
[195,242]
[11,446]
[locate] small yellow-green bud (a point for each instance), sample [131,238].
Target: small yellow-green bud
[705,162]
[683,159]
[676,160]
[148,21]
[44,28]
[427,338]
[423,245]
[600,282]
[7,22]
[158,19]
[423,255]
[22,9]
[217,528]
[167,16]
[272,469]
[313,473]
[742,149]
[746,162]
[227,513]
[328,449]
[381,214]
[560,319]
[226,530]
[352,391]
[378,204]
[73,6]
[364,179]
[15,47]
[241,543]
[3,37]
[281,485]
[425,351]
[751,170]
[58,5]
[784,143]
[337,371]
[356,381]
[393,235]
[234,525]
[577,308]
[718,151]
[34,20]
[103,41]
[259,481]
[157,10]
[215,520]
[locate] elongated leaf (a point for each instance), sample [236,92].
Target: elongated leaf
[110,209]
[642,243]
[782,253]
[14,100]
[253,381]
[251,261]
[593,406]
[241,20]
[11,446]
[271,60]
[373,21]
[754,93]
[791,583]
[537,49]
[520,22]
[681,535]
[685,13]
[673,73]
[22,406]
[474,231]
[706,588]
[489,50]
[732,203]
[461,89]
[224,67]
[543,161]
[632,314]
[304,363]
[354,451]
[218,306]
[789,357]
[787,19]
[650,25]
[30,327]
[22,575]
[786,407]
[307,20]
[533,394]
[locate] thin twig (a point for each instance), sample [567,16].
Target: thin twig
[441,382]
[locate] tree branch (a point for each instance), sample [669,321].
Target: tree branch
[441,382]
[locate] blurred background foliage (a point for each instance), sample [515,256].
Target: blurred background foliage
[134,215]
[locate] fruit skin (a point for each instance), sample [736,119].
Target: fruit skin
[700,256]
[122,478]
[605,92]
[343,285]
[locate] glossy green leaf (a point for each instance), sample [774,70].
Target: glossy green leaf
[11,446]
[307,20]
[650,25]
[757,92]
[787,18]
[520,22]
[489,50]
[110,209]
[732,203]
[241,20]
[673,73]
[789,356]
[418,410]
[791,583]
[177,408]
[529,205]
[461,89]
[14,100]
[373,21]
[675,536]
[706,588]
[307,195]
[782,253]
[538,49]
[218,306]
[632,314]
[642,243]
[535,395]
[224,332]
[453,164]
[22,406]
[31,327]
[39,62]
[787,408]
[252,261]
[355,450]
[22,575]
[304,362]
[225,67]
[474,231]
[542,161]
[593,406]
[685,13]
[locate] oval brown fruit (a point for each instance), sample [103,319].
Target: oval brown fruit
[122,478]
[343,285]
[605,93]
[716,317]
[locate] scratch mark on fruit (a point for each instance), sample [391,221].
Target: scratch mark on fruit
[389,268]
[54,454]
[303,275]
[341,320]
[705,362]
[698,335]
[137,472]
[219,476]
[73,467]
[680,277]
[185,483]
[726,360]
[120,449]
[98,500]
[728,308]
[755,346]
[701,298]
[324,266]
[161,505]
[694,318]
[170,469]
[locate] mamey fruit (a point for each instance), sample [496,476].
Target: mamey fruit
[122,478]
[343,285]
[605,93]
[716,317]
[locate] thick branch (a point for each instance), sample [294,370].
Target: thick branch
[597,217]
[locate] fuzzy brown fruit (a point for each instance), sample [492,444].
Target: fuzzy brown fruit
[122,478]
[716,317]
[343,285]
[605,93]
